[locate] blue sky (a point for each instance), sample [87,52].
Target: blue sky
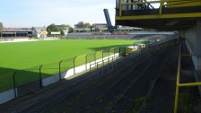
[28,13]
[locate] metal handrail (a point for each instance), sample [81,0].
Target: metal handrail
[163,3]
[160,1]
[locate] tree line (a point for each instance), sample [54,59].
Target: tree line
[57,28]
[81,24]
[54,27]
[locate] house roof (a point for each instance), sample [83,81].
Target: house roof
[63,28]
[39,29]
[16,29]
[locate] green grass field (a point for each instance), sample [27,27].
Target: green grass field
[21,55]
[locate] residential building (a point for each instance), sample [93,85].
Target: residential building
[40,32]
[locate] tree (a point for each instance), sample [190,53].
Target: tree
[80,24]
[65,25]
[87,25]
[52,28]
[70,29]
[93,26]
[1,26]
[62,32]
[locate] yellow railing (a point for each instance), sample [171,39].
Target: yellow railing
[162,3]
[183,3]
[178,84]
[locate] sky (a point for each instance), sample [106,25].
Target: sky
[38,13]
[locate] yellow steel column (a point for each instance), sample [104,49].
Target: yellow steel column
[177,81]
[176,99]
[120,7]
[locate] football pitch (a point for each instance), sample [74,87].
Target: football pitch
[22,55]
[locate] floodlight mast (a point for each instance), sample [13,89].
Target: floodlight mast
[107,17]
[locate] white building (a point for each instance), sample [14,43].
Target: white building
[40,32]
[65,30]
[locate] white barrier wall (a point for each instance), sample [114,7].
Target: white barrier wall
[87,66]
[20,39]
[10,94]
[7,95]
[50,80]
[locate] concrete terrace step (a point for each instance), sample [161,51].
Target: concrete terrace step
[162,95]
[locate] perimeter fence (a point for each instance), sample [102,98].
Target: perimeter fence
[31,79]
[99,37]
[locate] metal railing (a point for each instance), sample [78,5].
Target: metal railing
[162,4]
[178,84]
[31,79]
